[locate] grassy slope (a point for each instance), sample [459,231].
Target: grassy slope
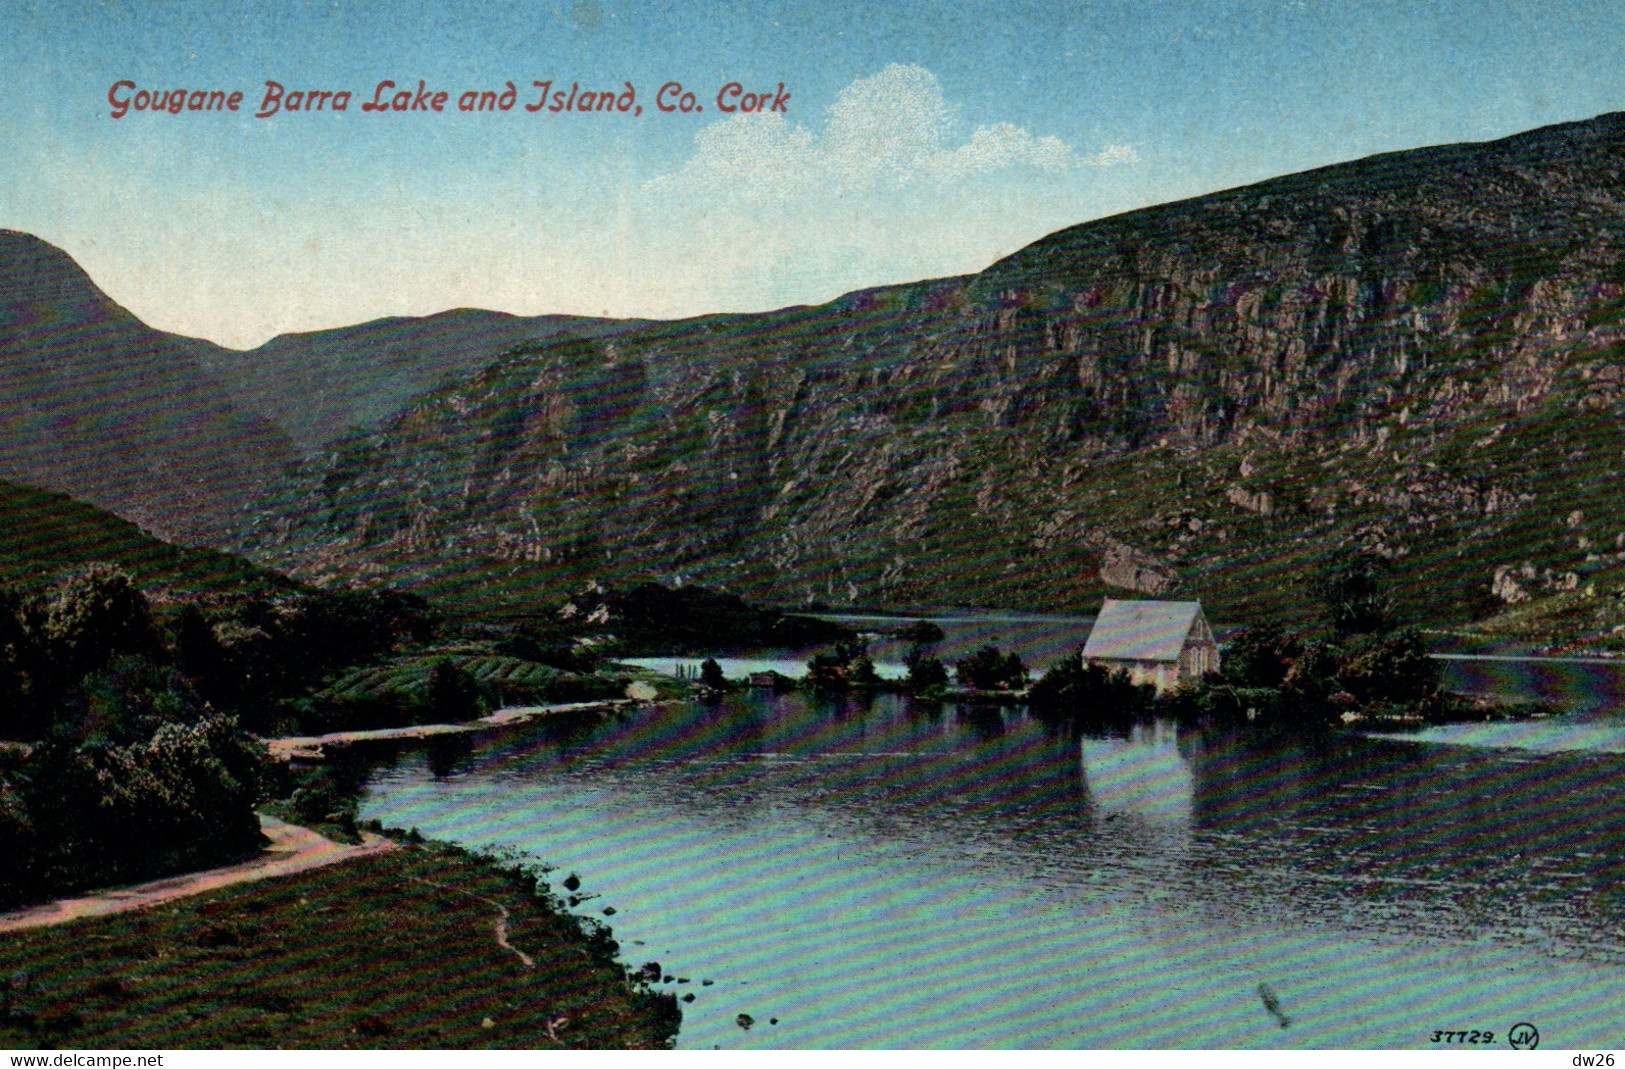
[47,534]
[359,954]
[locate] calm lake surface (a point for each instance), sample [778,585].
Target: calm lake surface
[889,874]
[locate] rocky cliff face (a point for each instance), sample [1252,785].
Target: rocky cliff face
[96,404]
[1419,353]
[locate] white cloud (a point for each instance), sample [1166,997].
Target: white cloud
[1111,156]
[894,128]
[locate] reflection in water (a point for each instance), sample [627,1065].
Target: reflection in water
[880,873]
[446,752]
[1143,775]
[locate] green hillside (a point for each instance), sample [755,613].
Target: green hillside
[45,535]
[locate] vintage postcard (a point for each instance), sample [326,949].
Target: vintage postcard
[764,525]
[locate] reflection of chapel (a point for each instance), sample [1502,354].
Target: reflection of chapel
[1159,642]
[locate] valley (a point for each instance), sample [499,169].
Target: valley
[400,536]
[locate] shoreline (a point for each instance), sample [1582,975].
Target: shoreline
[314,747]
[312,960]
[291,848]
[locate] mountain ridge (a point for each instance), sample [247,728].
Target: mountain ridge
[318,384]
[95,403]
[1197,397]
[181,435]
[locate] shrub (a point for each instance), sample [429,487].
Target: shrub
[1312,679]
[1089,693]
[453,694]
[99,812]
[1260,657]
[1395,669]
[987,669]
[924,672]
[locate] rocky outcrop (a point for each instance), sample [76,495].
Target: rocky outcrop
[1261,502]
[1124,567]
[1509,583]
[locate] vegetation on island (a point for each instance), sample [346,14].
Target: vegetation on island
[845,667]
[927,675]
[918,632]
[848,666]
[988,670]
[1365,665]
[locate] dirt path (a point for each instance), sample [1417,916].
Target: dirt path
[502,918]
[292,849]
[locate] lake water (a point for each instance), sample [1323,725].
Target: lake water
[885,874]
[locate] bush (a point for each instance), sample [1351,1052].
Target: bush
[1312,679]
[1089,693]
[987,669]
[127,700]
[452,694]
[924,672]
[1260,657]
[99,812]
[1394,669]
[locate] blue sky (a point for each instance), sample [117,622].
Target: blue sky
[920,139]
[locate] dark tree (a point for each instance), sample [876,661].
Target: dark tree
[453,694]
[1352,584]
[924,671]
[711,674]
[95,615]
[1014,672]
[988,669]
[199,657]
[1260,657]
